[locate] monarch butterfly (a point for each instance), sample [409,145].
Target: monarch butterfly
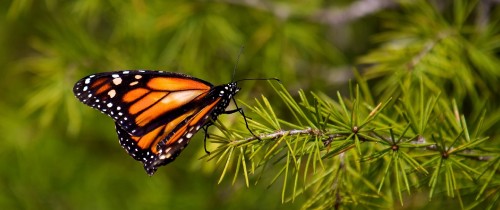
[156,113]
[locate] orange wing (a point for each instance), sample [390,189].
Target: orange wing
[141,101]
[155,113]
[162,145]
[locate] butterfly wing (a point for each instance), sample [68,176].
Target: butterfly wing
[163,144]
[141,101]
[155,113]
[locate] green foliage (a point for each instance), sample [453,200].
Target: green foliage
[420,142]
[415,124]
[382,151]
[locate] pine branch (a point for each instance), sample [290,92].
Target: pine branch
[386,147]
[335,130]
[328,138]
[282,133]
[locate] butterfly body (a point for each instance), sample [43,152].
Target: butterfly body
[156,113]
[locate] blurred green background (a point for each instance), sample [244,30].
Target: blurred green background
[56,153]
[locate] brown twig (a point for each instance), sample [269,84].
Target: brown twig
[355,11]
[328,138]
[281,133]
[330,17]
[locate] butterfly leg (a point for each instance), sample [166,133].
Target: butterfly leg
[231,111]
[205,128]
[240,110]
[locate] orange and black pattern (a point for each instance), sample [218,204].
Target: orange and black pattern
[156,113]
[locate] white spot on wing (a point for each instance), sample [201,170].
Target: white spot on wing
[110,104]
[117,81]
[112,93]
[138,76]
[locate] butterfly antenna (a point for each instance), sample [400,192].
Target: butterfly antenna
[237,61]
[275,79]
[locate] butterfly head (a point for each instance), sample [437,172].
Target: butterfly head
[229,90]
